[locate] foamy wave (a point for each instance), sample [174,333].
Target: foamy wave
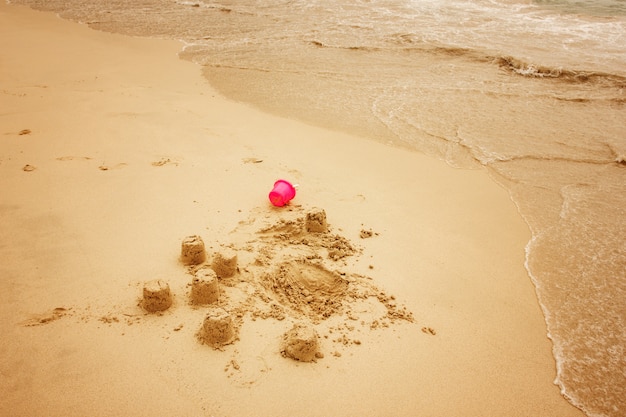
[412,43]
[321,44]
[205,5]
[519,67]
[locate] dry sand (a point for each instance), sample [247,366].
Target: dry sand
[113,151]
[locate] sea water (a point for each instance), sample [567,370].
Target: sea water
[535,91]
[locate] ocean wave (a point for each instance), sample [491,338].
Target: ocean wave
[321,44]
[410,43]
[520,67]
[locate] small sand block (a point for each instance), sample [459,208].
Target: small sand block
[301,343]
[225,263]
[192,250]
[156,296]
[217,329]
[316,221]
[204,287]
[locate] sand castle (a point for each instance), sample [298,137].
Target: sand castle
[204,287]
[156,296]
[217,328]
[316,221]
[301,343]
[225,263]
[192,250]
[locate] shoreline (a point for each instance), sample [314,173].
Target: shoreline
[128,160]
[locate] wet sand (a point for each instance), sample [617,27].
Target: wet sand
[114,151]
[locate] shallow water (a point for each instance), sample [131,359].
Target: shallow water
[533,90]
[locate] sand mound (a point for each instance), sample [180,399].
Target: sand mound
[299,230]
[293,274]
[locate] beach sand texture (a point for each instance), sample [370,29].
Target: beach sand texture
[113,151]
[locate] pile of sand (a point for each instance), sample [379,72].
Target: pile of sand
[288,266]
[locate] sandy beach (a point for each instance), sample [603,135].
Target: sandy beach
[113,151]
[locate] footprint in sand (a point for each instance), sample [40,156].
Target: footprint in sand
[104,167]
[245,371]
[74,158]
[20,133]
[45,318]
[164,161]
[251,160]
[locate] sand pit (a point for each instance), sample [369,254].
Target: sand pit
[204,287]
[192,250]
[217,329]
[301,343]
[307,288]
[225,263]
[156,296]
